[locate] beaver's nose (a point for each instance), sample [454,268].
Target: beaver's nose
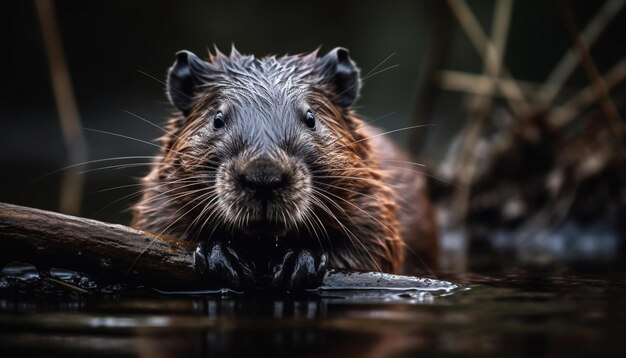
[264,177]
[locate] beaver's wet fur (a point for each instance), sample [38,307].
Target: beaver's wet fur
[267,156]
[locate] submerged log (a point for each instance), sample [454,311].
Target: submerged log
[120,254]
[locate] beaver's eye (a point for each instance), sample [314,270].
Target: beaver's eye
[309,119]
[218,120]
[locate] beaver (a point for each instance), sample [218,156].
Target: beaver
[269,168]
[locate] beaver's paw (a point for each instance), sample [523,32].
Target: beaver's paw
[222,266]
[299,270]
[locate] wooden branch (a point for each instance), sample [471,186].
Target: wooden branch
[69,117]
[481,106]
[567,64]
[481,85]
[488,52]
[107,251]
[613,119]
[564,114]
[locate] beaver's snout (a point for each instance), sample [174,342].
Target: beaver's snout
[263,194]
[264,178]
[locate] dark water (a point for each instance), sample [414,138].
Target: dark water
[512,313]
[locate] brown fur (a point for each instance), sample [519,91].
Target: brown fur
[369,208]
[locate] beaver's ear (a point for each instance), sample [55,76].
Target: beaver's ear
[184,78]
[341,72]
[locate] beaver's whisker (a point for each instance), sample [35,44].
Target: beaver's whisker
[217,224]
[183,193]
[188,181]
[211,221]
[356,178]
[176,197]
[342,169]
[150,123]
[362,126]
[214,216]
[356,169]
[356,207]
[209,211]
[209,218]
[193,182]
[372,121]
[393,131]
[317,222]
[201,198]
[404,201]
[365,77]
[227,213]
[316,191]
[317,237]
[139,192]
[134,139]
[379,64]
[204,161]
[380,71]
[207,208]
[91,162]
[133,165]
[360,170]
[285,221]
[419,258]
[356,240]
[306,223]
[304,217]
[323,229]
[168,150]
[383,160]
[141,184]
[178,93]
[162,232]
[123,136]
[208,202]
[118,166]
[346,189]
[350,235]
[323,207]
[238,218]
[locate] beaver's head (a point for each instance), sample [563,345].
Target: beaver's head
[262,135]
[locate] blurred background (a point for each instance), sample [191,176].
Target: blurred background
[515,113]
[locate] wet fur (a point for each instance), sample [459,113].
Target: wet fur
[348,203]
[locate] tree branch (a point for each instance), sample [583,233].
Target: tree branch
[107,251]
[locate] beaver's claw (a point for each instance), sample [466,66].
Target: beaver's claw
[222,266]
[299,270]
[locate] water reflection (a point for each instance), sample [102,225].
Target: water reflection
[506,313]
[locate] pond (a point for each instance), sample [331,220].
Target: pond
[512,312]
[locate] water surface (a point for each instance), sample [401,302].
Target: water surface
[513,313]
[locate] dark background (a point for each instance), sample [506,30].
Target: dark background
[108,43]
